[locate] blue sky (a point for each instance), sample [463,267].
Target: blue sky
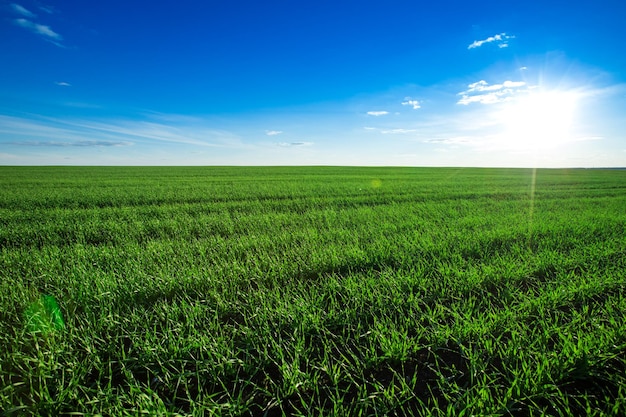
[446,83]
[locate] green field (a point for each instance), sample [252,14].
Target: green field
[324,291]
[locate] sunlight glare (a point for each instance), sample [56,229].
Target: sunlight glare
[539,120]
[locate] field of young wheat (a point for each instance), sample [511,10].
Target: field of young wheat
[313,291]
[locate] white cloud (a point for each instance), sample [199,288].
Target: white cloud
[502,40]
[476,86]
[38,29]
[482,85]
[513,84]
[397,131]
[377,113]
[273,132]
[290,144]
[22,10]
[63,84]
[489,98]
[482,92]
[408,101]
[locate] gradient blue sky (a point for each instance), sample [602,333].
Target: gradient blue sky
[442,83]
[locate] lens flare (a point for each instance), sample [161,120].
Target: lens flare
[44,315]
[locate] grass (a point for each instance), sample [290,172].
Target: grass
[327,291]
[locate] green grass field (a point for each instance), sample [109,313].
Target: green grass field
[322,291]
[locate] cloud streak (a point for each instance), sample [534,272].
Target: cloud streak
[396,131]
[39,130]
[42,30]
[82,143]
[501,39]
[22,10]
[46,9]
[273,132]
[27,21]
[460,140]
[377,113]
[290,144]
[482,92]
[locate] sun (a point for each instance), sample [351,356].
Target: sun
[539,120]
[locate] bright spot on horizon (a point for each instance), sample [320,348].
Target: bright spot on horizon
[539,120]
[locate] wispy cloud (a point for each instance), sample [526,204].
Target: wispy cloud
[482,85]
[482,92]
[146,130]
[80,143]
[7,156]
[397,131]
[459,140]
[63,84]
[22,10]
[28,22]
[408,101]
[501,39]
[289,144]
[39,130]
[46,9]
[377,113]
[273,132]
[80,105]
[394,131]
[42,30]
